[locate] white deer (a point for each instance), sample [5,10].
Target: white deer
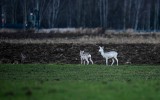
[84,57]
[108,55]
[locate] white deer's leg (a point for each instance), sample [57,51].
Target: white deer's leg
[106,61]
[84,62]
[112,61]
[81,61]
[87,61]
[91,60]
[116,60]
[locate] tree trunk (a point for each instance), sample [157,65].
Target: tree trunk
[138,3]
[124,15]
[148,17]
[25,15]
[156,15]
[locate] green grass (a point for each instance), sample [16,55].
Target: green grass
[79,82]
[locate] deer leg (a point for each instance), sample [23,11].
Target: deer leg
[81,61]
[116,60]
[112,61]
[87,61]
[106,61]
[91,60]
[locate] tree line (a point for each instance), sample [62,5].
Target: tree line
[109,14]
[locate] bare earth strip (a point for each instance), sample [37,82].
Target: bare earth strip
[88,40]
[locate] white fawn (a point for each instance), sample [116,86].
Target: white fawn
[84,57]
[109,55]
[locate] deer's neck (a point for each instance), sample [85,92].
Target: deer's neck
[102,53]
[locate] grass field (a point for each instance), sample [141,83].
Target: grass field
[79,82]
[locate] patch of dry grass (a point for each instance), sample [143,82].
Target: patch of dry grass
[88,40]
[88,36]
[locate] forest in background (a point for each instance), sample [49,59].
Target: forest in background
[109,14]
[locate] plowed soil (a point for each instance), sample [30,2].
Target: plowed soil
[69,53]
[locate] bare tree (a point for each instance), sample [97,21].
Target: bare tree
[129,13]
[148,16]
[69,13]
[13,11]
[54,11]
[24,5]
[103,12]
[156,15]
[124,15]
[79,12]
[137,9]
